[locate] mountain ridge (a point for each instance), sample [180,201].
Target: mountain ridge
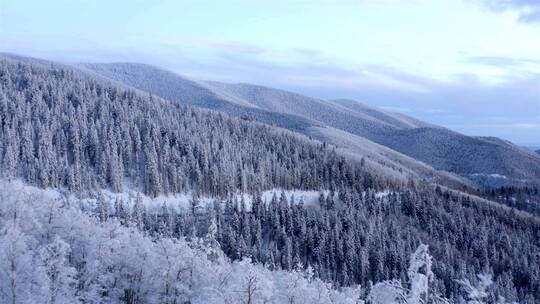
[254,112]
[438,147]
[418,148]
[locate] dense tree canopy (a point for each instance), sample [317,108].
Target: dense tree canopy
[62,129]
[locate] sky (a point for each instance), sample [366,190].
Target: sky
[470,65]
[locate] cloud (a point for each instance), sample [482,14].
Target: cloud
[238,47]
[530,17]
[525,125]
[507,126]
[528,10]
[500,61]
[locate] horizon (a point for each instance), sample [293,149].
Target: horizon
[473,76]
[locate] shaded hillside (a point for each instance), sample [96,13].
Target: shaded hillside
[331,113]
[439,147]
[465,155]
[173,87]
[276,110]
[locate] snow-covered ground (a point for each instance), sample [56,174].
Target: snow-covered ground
[182,202]
[499,176]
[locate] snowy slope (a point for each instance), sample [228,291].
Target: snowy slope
[396,120]
[384,159]
[207,95]
[465,155]
[438,147]
[180,89]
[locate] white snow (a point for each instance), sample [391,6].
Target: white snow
[180,202]
[493,175]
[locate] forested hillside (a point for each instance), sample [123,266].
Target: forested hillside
[110,227]
[57,248]
[53,252]
[443,149]
[351,237]
[278,108]
[62,129]
[439,147]
[175,88]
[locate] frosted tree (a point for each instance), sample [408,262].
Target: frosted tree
[213,250]
[20,280]
[170,271]
[139,212]
[420,275]
[388,292]
[152,181]
[478,293]
[249,284]
[103,208]
[9,162]
[61,276]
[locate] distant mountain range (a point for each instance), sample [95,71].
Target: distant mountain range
[391,139]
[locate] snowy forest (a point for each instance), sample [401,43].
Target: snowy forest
[70,142]
[61,129]
[57,248]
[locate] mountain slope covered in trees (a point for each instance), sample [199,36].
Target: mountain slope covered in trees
[206,95]
[438,147]
[94,142]
[64,249]
[51,251]
[176,88]
[62,129]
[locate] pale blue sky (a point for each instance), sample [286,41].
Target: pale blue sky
[471,65]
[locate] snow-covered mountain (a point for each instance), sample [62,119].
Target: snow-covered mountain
[174,87]
[207,95]
[427,146]
[131,198]
[437,146]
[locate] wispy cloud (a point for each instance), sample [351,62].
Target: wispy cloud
[508,126]
[531,16]
[223,45]
[501,61]
[528,10]
[526,125]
